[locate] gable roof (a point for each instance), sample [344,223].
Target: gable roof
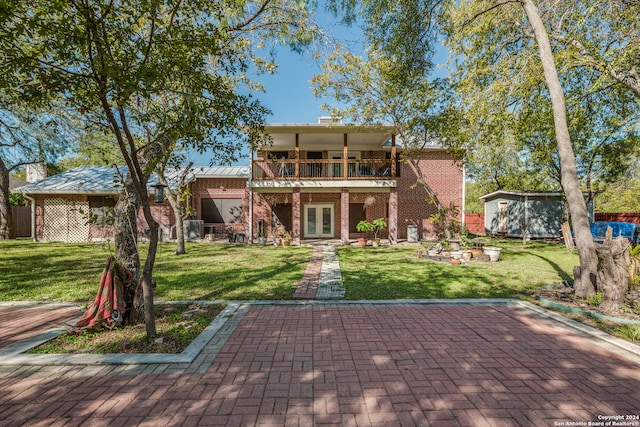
[106,180]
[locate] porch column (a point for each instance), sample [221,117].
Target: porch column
[393,216]
[393,155]
[297,156]
[295,216]
[344,216]
[345,159]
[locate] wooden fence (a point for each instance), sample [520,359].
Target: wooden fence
[633,217]
[21,220]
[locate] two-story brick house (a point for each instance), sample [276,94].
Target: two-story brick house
[320,180]
[316,180]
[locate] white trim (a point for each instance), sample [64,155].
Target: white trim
[333,184]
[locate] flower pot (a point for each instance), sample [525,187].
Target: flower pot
[455,261]
[475,252]
[493,252]
[456,254]
[375,242]
[262,241]
[466,255]
[286,241]
[362,242]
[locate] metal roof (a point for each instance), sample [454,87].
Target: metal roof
[524,193]
[106,180]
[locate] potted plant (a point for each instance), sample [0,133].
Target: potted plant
[493,252]
[286,238]
[465,244]
[363,226]
[377,225]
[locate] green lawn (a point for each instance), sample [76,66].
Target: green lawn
[70,272]
[396,273]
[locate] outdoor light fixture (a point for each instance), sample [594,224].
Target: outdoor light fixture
[159,192]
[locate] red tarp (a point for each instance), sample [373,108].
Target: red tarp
[109,303]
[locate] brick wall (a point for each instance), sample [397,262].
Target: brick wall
[443,176]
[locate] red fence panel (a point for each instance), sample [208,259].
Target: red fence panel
[474,223]
[633,217]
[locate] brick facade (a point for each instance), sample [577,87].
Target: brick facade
[401,206]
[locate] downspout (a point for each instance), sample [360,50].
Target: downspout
[464,196]
[249,184]
[33,216]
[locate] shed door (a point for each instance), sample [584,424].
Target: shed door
[503,217]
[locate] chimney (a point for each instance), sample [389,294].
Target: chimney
[35,171]
[327,120]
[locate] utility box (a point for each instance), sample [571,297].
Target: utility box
[194,229]
[412,233]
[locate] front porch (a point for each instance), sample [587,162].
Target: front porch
[324,214]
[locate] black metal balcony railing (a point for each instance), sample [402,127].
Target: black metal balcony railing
[321,169]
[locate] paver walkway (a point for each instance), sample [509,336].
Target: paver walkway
[322,279]
[440,363]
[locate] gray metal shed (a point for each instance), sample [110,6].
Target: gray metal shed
[540,213]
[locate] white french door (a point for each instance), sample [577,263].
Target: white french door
[318,220]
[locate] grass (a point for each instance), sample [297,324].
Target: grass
[71,272]
[177,327]
[396,273]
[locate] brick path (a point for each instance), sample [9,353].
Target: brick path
[308,286]
[339,363]
[21,321]
[322,278]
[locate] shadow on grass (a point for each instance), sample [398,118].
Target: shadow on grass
[396,273]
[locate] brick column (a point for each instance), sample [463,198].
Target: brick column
[295,216]
[393,216]
[344,216]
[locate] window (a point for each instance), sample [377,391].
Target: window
[221,211]
[101,210]
[357,213]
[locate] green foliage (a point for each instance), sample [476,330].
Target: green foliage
[377,225]
[628,332]
[17,199]
[595,299]
[508,125]
[364,226]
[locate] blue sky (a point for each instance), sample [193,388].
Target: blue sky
[288,92]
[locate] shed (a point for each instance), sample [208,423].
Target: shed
[539,213]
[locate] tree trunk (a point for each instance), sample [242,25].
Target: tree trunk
[569,177]
[174,202]
[6,218]
[147,282]
[613,274]
[125,235]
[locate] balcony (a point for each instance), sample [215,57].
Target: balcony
[325,169]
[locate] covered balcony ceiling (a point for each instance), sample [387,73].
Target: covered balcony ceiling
[323,136]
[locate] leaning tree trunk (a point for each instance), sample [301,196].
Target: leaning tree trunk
[6,219]
[585,283]
[125,235]
[613,273]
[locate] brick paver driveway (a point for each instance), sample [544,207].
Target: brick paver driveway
[356,365]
